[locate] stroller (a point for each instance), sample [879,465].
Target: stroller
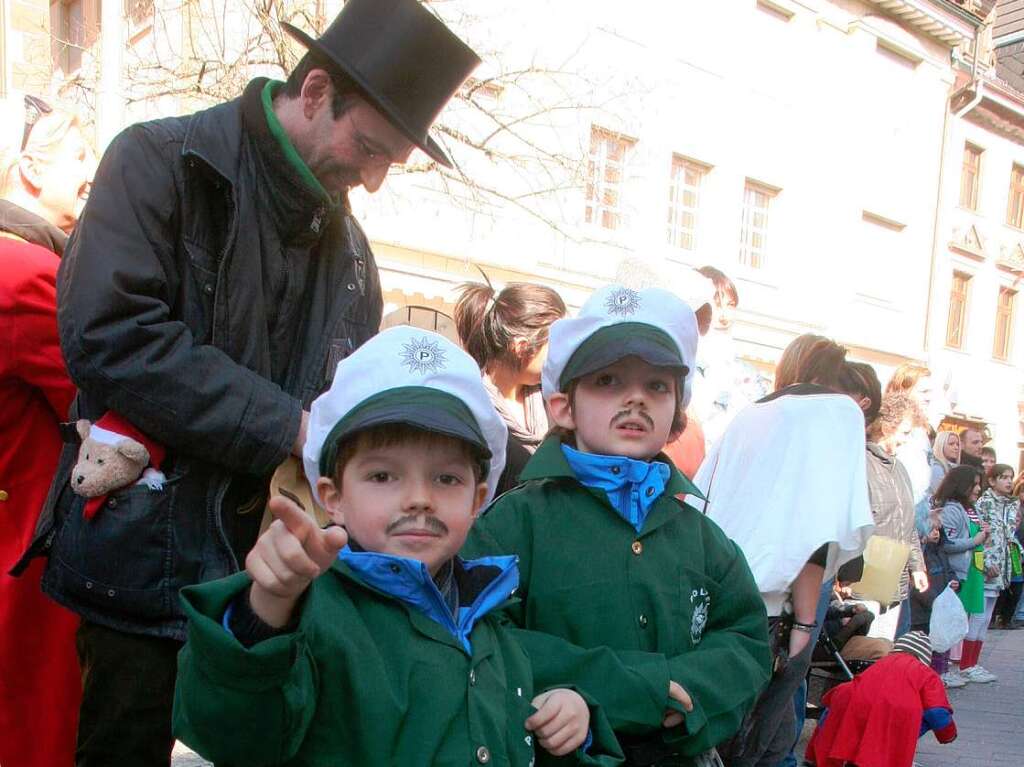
[828,669]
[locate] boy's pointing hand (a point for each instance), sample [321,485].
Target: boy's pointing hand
[286,558]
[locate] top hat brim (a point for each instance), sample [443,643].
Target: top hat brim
[423,141]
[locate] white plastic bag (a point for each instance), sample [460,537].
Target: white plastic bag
[949,621]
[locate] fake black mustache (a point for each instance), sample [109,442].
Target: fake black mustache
[625,415]
[433,524]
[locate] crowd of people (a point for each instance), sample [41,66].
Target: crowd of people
[595,537]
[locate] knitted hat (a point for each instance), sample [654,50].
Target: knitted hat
[405,375]
[616,322]
[916,643]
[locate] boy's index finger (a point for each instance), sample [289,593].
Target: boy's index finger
[298,522]
[548,710]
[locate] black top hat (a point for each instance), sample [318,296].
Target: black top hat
[402,58]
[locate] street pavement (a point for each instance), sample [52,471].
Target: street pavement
[989,717]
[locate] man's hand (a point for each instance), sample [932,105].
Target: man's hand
[680,696]
[920,581]
[286,558]
[561,722]
[300,438]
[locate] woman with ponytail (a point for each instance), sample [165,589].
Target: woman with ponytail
[506,333]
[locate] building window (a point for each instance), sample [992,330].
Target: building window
[1004,324]
[970,177]
[754,224]
[1015,210]
[75,26]
[958,298]
[606,171]
[684,202]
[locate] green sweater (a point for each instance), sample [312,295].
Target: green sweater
[676,602]
[362,680]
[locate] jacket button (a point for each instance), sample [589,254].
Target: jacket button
[472,677]
[642,621]
[111,592]
[616,469]
[88,584]
[112,503]
[638,548]
[208,289]
[351,286]
[3,495]
[650,492]
[483,755]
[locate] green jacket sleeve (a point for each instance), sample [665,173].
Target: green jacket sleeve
[726,671]
[234,705]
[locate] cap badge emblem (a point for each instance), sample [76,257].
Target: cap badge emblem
[421,355]
[622,301]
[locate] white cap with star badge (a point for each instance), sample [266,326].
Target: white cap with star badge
[618,322]
[405,375]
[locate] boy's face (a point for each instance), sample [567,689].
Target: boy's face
[412,500]
[624,409]
[1003,484]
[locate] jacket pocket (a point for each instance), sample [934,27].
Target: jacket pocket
[121,560]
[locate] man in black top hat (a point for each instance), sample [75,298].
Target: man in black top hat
[215,279]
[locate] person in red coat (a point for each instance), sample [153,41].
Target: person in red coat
[876,720]
[45,167]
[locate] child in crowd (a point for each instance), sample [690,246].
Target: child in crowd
[964,536]
[998,508]
[372,642]
[876,719]
[610,557]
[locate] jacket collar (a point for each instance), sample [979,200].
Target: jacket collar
[549,463]
[877,451]
[483,585]
[31,228]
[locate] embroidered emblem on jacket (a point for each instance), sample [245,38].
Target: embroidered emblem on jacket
[700,601]
[421,355]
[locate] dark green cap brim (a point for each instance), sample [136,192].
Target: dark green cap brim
[625,339]
[419,406]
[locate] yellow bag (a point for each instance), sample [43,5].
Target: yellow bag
[290,481]
[885,559]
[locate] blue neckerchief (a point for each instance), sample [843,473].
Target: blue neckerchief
[409,581]
[632,486]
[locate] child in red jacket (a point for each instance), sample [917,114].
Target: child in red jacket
[876,720]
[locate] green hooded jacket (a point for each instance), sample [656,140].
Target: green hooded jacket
[676,602]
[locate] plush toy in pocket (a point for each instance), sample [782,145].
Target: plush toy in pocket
[113,455]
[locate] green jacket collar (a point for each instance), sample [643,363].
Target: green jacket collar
[290,152]
[549,463]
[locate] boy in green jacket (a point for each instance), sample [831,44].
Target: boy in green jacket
[609,556]
[372,642]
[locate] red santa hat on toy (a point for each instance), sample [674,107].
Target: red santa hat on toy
[113,429]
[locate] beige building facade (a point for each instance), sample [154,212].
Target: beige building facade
[808,148]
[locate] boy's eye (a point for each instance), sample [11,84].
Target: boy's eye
[605,379]
[379,476]
[659,386]
[449,479]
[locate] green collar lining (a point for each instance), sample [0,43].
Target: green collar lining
[278,132]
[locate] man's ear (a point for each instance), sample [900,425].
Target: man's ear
[28,167]
[330,495]
[560,411]
[316,89]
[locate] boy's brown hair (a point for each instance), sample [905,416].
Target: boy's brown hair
[390,434]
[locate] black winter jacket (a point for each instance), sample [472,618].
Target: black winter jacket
[163,308]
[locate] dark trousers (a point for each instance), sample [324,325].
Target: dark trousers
[127,695]
[1006,605]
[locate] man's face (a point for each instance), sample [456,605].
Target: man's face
[63,179]
[356,149]
[412,500]
[624,409]
[971,443]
